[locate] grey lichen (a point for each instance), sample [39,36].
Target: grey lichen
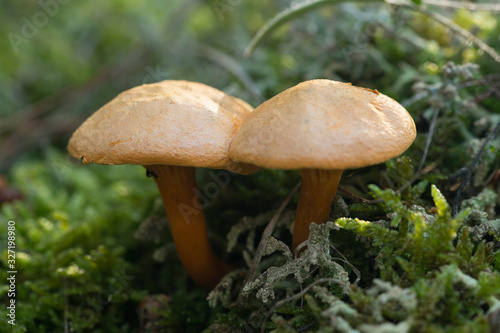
[430,267]
[484,203]
[338,313]
[221,294]
[384,299]
[162,253]
[482,208]
[274,245]
[339,208]
[249,224]
[402,301]
[152,229]
[317,254]
[481,171]
[402,327]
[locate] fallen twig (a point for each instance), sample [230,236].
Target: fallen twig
[358,199]
[263,241]
[234,67]
[426,151]
[298,295]
[491,7]
[451,25]
[467,173]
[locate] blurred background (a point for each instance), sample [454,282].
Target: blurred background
[61,60]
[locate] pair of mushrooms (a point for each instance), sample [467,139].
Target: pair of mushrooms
[320,127]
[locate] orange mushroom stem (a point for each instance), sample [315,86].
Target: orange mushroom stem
[315,200]
[177,185]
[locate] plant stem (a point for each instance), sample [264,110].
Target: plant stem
[315,200]
[180,196]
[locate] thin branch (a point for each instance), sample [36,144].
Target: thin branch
[486,94]
[491,80]
[296,296]
[451,25]
[68,95]
[231,65]
[491,177]
[263,241]
[415,98]
[432,128]
[358,199]
[491,7]
[487,80]
[426,151]
[354,269]
[287,15]
[305,6]
[465,33]
[467,173]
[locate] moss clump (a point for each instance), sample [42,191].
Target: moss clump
[432,277]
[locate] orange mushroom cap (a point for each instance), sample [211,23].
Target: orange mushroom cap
[326,125]
[170,122]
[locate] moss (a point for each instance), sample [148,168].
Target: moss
[92,241]
[433,276]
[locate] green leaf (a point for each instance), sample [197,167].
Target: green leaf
[442,206]
[377,233]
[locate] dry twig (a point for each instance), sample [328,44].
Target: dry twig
[490,7]
[467,173]
[296,296]
[263,241]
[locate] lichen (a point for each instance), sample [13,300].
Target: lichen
[316,255]
[430,268]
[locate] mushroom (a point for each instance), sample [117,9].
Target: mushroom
[322,127]
[170,127]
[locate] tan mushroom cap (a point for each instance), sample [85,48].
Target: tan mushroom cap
[170,122]
[323,124]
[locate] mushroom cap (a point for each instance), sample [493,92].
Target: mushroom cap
[170,122]
[323,124]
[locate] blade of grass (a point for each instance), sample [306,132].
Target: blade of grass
[287,15]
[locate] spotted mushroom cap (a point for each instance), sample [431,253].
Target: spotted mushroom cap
[170,122]
[326,125]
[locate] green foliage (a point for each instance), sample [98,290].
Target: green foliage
[432,276]
[439,267]
[404,264]
[317,254]
[71,245]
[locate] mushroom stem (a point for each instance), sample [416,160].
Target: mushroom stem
[177,185]
[315,200]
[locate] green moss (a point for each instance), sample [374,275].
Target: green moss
[92,241]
